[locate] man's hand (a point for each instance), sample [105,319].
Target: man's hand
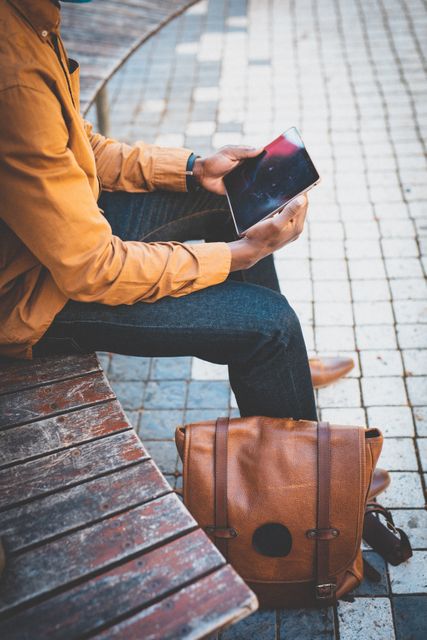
[271,234]
[209,172]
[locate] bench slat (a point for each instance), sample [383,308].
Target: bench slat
[53,515]
[52,472]
[23,374]
[116,593]
[89,550]
[29,405]
[138,19]
[39,438]
[221,598]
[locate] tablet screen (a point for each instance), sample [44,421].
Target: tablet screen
[263,184]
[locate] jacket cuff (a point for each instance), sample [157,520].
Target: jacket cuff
[170,165]
[214,262]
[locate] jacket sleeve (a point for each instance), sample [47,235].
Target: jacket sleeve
[47,201]
[139,167]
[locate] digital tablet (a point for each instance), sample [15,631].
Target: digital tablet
[260,186]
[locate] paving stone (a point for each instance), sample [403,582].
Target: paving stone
[366,269]
[125,368]
[331,291]
[398,454]
[412,336]
[368,587]
[133,417]
[301,624]
[200,415]
[104,360]
[352,415]
[129,394]
[409,289]
[159,424]
[383,391]
[410,614]
[170,368]
[333,313]
[261,624]
[203,370]
[297,290]
[165,395]
[366,290]
[420,417]
[381,363]
[415,361]
[164,454]
[371,336]
[334,338]
[404,491]
[411,576]
[414,523]
[366,618]
[207,395]
[373,313]
[422,448]
[345,393]
[329,270]
[410,311]
[393,421]
[417,390]
[403,268]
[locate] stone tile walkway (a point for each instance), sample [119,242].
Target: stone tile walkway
[351,75]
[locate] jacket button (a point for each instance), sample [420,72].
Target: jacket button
[44,33]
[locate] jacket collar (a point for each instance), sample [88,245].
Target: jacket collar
[43,15]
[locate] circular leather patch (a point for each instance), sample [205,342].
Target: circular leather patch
[272,539]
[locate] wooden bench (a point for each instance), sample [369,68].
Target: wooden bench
[96,541]
[103,36]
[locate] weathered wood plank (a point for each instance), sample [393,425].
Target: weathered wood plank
[116,593]
[205,606]
[137,19]
[57,470]
[79,506]
[28,405]
[70,429]
[84,552]
[23,374]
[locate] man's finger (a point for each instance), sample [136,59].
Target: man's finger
[241,152]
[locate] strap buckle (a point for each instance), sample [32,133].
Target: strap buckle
[325,591]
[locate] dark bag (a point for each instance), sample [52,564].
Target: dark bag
[387,540]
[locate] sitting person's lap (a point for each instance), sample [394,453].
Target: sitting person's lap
[250,327]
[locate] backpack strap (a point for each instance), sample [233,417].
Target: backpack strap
[325,587]
[220,530]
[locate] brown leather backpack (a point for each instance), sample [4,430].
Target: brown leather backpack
[283,500]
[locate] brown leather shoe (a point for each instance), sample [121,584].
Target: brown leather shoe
[380,481]
[325,371]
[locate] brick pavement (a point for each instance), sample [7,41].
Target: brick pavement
[351,75]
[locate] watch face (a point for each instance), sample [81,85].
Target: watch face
[263,184]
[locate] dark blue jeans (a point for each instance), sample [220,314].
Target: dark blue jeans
[244,322]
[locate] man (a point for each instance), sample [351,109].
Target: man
[82,274]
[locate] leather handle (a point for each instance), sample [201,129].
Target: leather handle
[325,587]
[221,515]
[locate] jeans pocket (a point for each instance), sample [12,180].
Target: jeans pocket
[49,346]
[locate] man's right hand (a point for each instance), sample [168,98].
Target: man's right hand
[269,235]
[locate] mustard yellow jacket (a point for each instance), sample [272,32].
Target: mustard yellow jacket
[55,244]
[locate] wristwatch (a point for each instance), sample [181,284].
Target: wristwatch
[192,184]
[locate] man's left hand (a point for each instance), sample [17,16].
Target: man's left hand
[209,172]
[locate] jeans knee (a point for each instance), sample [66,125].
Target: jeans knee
[272,317]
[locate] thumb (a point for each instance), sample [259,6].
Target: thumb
[297,203]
